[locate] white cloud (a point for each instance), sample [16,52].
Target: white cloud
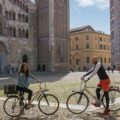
[101,4]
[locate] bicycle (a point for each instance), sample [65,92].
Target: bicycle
[13,106]
[78,101]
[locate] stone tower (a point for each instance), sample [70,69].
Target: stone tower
[53,34]
[115,31]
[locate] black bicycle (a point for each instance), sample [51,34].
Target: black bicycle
[13,106]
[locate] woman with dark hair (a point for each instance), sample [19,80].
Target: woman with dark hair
[23,83]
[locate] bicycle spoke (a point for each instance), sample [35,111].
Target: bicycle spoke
[12,106]
[114,96]
[48,104]
[77,103]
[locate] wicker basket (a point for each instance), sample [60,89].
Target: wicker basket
[10,89]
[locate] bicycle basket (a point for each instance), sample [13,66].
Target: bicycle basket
[10,89]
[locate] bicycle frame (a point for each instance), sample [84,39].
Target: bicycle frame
[38,93]
[85,89]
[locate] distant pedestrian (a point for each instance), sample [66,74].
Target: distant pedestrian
[108,69]
[119,68]
[112,69]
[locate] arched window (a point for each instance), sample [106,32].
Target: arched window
[23,33]
[27,9]
[14,16]
[11,31]
[27,34]
[14,32]
[19,17]
[23,6]
[23,18]
[26,18]
[77,61]
[17,2]
[20,4]
[0,9]
[10,15]
[25,59]
[1,28]
[6,14]
[8,31]
[19,32]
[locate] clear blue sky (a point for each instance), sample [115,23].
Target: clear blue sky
[90,12]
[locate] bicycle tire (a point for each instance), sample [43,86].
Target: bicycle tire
[80,94]
[116,91]
[9,99]
[45,98]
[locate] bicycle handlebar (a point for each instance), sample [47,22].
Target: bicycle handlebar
[40,84]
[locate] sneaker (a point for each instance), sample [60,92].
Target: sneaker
[96,104]
[106,112]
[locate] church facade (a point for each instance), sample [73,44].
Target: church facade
[34,33]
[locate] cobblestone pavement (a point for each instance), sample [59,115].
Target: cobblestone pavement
[62,114]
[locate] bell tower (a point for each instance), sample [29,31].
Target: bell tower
[53,34]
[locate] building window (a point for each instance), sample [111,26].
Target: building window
[14,32]
[111,3]
[19,17]
[27,9]
[76,38]
[104,47]
[3,2]
[11,31]
[8,31]
[87,37]
[10,15]
[101,46]
[6,15]
[77,61]
[20,4]
[87,60]
[104,60]
[109,60]
[19,32]
[112,35]
[26,18]
[24,7]
[25,59]
[101,39]
[77,47]
[87,45]
[101,60]
[27,34]
[70,61]
[0,9]
[14,16]
[96,38]
[23,33]
[1,29]
[17,2]
[23,18]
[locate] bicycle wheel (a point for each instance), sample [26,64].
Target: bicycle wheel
[13,106]
[48,104]
[77,102]
[114,96]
